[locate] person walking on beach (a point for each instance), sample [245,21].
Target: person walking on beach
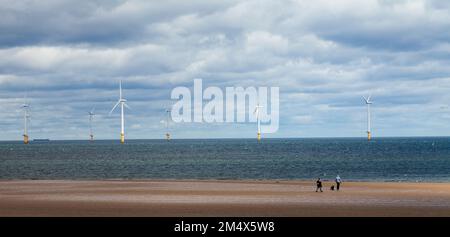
[319,185]
[338,182]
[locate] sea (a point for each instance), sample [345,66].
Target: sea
[414,159]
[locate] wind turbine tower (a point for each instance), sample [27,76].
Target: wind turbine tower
[122,104]
[91,117]
[26,118]
[258,120]
[368,103]
[167,125]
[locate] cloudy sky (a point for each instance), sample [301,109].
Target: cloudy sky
[69,56]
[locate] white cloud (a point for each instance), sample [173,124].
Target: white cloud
[261,42]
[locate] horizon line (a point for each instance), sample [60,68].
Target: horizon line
[228,138]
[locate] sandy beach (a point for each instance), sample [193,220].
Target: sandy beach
[220,198]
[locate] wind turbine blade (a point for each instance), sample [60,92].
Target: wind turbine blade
[29,124]
[120,89]
[128,107]
[368,98]
[25,97]
[92,110]
[115,106]
[365,99]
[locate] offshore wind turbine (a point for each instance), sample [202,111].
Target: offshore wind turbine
[91,117]
[258,120]
[26,117]
[368,103]
[167,124]
[122,104]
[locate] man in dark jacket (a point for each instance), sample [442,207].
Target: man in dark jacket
[319,185]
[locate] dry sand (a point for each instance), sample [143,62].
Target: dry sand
[220,198]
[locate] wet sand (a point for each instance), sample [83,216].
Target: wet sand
[220,198]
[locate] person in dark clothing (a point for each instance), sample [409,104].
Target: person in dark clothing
[319,185]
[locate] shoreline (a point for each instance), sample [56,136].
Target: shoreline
[222,198]
[234,180]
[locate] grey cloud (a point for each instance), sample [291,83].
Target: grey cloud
[70,56]
[93,22]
